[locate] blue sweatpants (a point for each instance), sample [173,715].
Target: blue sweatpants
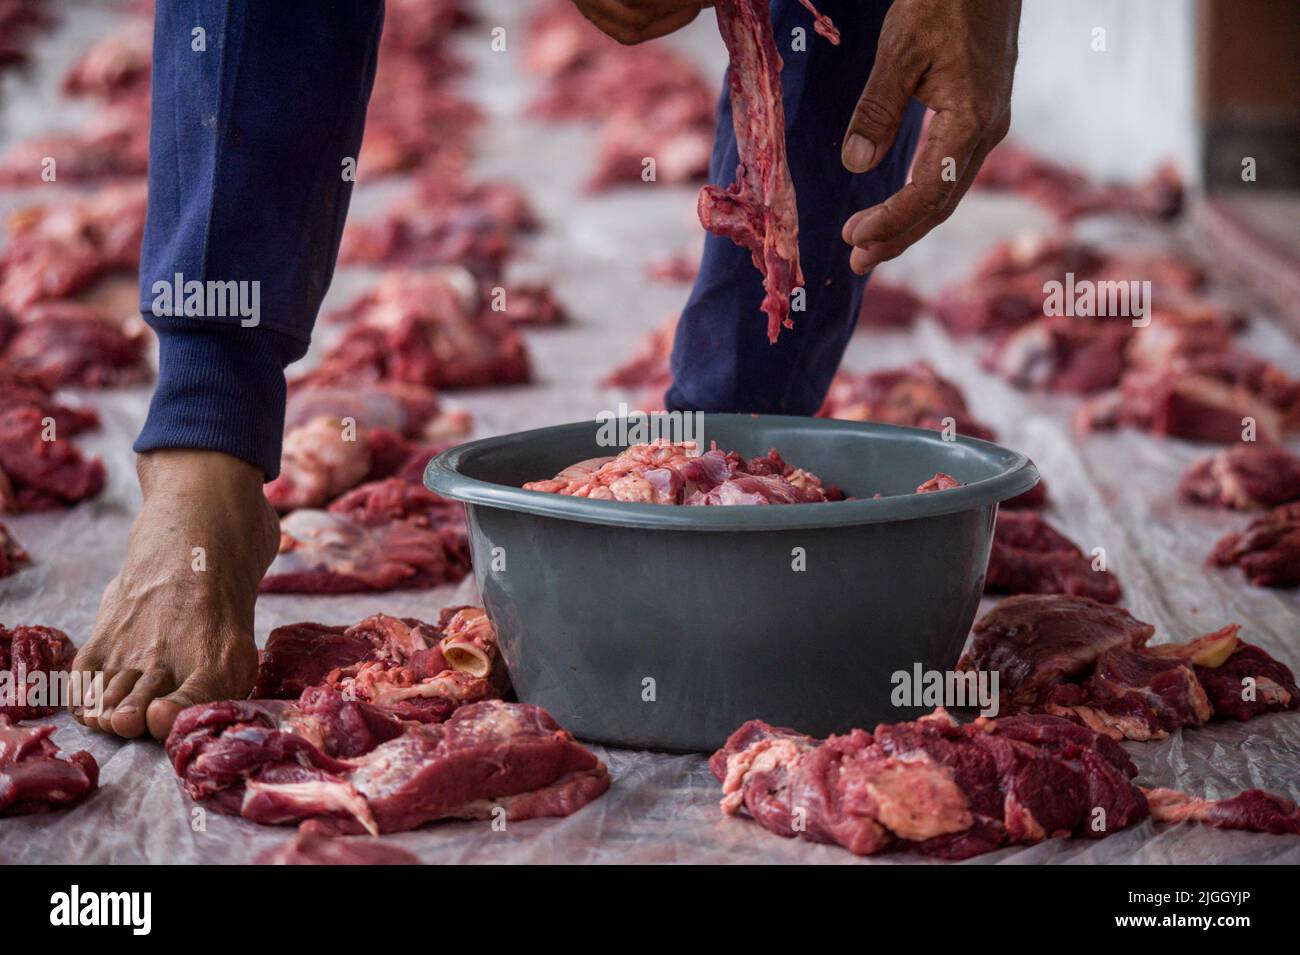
[722,360]
[256,105]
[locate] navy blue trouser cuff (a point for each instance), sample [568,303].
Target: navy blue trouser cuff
[220,388]
[721,359]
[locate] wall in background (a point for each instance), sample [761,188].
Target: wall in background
[1114,114]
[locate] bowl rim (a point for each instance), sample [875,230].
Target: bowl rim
[1018,474]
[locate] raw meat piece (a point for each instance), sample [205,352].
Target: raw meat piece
[412,411]
[113,145]
[675,130]
[20,21]
[312,848]
[116,67]
[448,220]
[12,556]
[1076,659]
[42,474]
[1036,642]
[26,652]
[1029,556]
[1244,478]
[958,791]
[322,552]
[1250,375]
[1273,685]
[34,777]
[647,369]
[61,344]
[665,472]
[587,75]
[1068,194]
[914,396]
[400,499]
[1268,551]
[680,268]
[758,211]
[57,249]
[940,482]
[412,669]
[300,655]
[1164,401]
[1137,695]
[1075,355]
[413,120]
[356,768]
[930,785]
[20,392]
[534,305]
[887,305]
[322,459]
[1006,288]
[408,330]
[1253,810]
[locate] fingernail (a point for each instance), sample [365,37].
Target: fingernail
[858,152]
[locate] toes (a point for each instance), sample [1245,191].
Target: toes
[162,712]
[114,691]
[92,695]
[128,716]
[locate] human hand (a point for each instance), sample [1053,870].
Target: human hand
[635,21]
[958,58]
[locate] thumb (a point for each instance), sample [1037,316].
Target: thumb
[877,116]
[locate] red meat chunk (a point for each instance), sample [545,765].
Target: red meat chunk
[671,473]
[1069,194]
[113,145]
[413,328]
[1253,810]
[888,305]
[12,556]
[930,785]
[115,68]
[475,225]
[63,344]
[1244,478]
[1029,556]
[407,667]
[758,211]
[58,249]
[26,652]
[354,768]
[323,552]
[914,396]
[1249,683]
[1268,551]
[1166,401]
[313,848]
[35,777]
[1038,641]
[40,474]
[1075,355]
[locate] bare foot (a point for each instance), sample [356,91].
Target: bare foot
[175,627]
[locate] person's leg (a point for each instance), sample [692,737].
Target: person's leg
[256,107]
[722,360]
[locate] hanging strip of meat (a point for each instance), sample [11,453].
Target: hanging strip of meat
[758,210]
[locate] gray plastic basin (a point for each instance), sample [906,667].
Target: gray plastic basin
[667,627]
